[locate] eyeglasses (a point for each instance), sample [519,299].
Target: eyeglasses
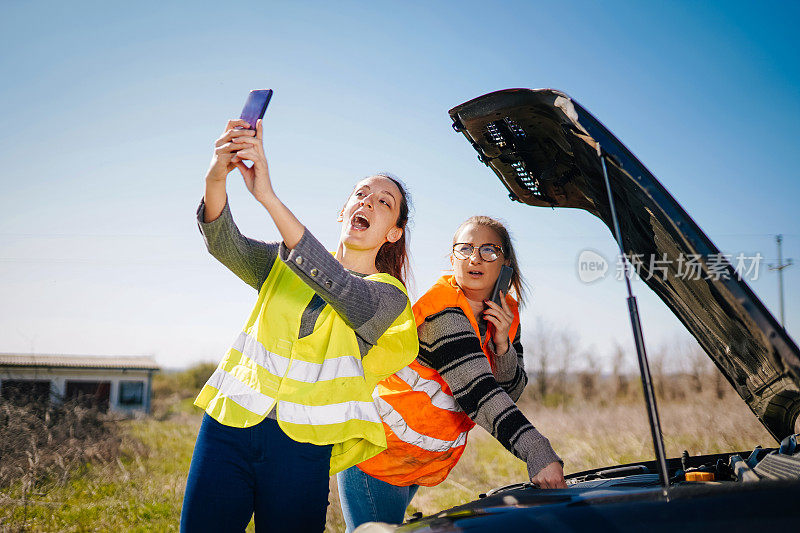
[488,252]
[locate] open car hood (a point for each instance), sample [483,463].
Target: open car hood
[544,148]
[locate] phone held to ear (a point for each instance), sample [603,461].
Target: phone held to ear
[255,106]
[503,283]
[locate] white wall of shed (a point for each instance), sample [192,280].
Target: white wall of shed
[58,378]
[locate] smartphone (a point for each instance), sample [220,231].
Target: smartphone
[503,283]
[255,106]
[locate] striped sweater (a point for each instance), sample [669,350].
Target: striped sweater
[486,393]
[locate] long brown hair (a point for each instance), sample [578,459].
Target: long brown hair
[517,281]
[393,257]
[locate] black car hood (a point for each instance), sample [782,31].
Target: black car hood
[544,148]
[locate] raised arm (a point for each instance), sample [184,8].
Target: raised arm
[509,368]
[449,345]
[231,149]
[250,259]
[367,306]
[506,362]
[222,163]
[236,148]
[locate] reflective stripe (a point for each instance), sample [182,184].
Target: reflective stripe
[398,424]
[254,350]
[336,367]
[335,413]
[432,388]
[240,393]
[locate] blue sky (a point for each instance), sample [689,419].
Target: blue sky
[109,113]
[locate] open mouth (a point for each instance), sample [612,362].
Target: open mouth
[359,222]
[475,273]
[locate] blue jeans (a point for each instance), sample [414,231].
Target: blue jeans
[367,499]
[236,472]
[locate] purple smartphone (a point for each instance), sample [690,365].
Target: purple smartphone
[256,105]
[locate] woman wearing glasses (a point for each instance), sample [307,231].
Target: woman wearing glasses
[469,371]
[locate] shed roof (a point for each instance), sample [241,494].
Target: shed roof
[139,362]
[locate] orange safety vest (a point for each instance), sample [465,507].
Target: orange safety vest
[426,430]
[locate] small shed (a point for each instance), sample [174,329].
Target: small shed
[116,383]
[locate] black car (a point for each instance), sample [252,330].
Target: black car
[549,151]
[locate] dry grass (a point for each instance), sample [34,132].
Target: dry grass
[44,446]
[143,491]
[139,491]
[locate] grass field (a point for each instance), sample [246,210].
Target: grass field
[143,489]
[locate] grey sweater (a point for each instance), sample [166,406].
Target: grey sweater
[448,344]
[367,306]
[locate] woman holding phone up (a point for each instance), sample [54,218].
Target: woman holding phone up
[469,370]
[290,403]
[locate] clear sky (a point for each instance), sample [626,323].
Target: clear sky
[108,113]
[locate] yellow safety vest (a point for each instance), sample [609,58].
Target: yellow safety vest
[322,387]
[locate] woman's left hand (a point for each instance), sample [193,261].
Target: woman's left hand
[256,177]
[501,317]
[550,477]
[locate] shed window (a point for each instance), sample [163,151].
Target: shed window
[25,391]
[131,393]
[90,393]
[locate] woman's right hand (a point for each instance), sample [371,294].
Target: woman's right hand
[224,160]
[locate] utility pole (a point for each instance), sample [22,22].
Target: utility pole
[779,267]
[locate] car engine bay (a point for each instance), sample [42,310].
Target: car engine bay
[782,463]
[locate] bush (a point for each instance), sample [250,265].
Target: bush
[173,392]
[42,445]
